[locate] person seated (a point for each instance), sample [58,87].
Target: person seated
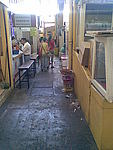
[26,49]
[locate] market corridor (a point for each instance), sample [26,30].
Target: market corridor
[43,118]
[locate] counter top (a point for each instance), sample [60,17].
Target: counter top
[18,55]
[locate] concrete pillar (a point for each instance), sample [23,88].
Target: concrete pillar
[82,23]
[60,24]
[70,34]
[35,40]
[74,25]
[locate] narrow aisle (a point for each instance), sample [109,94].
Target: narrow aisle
[42,118]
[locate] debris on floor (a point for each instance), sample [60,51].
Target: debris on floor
[67,96]
[43,118]
[63,90]
[75,105]
[81,119]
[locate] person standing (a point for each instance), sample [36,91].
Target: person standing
[51,44]
[44,56]
[39,46]
[14,42]
[26,49]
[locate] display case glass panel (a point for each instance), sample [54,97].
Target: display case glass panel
[98,17]
[102,76]
[100,71]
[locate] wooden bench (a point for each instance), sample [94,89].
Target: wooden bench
[34,58]
[25,68]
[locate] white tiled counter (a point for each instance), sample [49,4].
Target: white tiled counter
[18,60]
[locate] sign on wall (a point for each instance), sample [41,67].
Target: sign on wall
[21,20]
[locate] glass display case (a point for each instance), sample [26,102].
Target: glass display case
[98,17]
[102,69]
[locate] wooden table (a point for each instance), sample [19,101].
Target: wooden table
[34,58]
[25,67]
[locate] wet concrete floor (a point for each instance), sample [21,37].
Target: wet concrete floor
[42,118]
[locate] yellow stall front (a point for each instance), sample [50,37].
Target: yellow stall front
[5,54]
[93,84]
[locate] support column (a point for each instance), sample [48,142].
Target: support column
[74,25]
[82,23]
[70,54]
[60,24]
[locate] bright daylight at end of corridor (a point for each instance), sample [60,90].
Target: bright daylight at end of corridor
[56,74]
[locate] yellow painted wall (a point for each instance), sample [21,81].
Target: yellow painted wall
[82,85]
[96,116]
[9,44]
[4,59]
[98,112]
[4,63]
[101,120]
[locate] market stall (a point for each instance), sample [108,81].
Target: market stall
[26,26]
[92,65]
